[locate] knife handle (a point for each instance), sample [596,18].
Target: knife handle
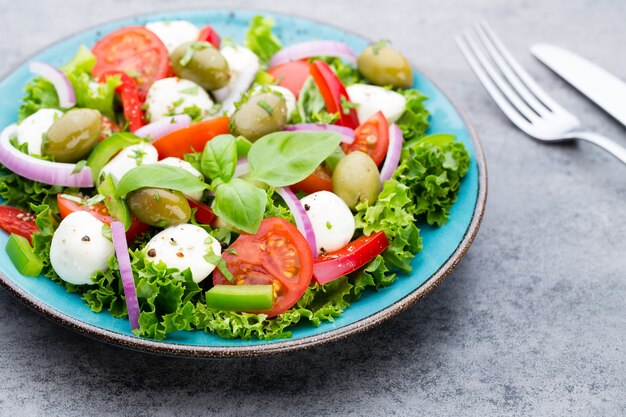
[605,143]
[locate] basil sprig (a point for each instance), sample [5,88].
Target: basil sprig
[159,176]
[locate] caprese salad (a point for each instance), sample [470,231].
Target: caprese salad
[187,182]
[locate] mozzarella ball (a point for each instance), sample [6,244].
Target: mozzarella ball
[243,65]
[79,249]
[177,162]
[332,220]
[174,33]
[372,99]
[171,96]
[33,129]
[184,246]
[129,158]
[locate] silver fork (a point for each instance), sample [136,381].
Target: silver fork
[517,94]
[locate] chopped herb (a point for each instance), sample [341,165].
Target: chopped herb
[265,106]
[376,47]
[157,196]
[79,166]
[193,111]
[192,91]
[191,49]
[347,105]
[138,155]
[232,251]
[94,200]
[329,225]
[134,74]
[219,263]
[106,232]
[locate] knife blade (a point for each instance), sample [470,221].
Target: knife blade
[602,87]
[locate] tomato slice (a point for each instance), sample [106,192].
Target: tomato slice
[17,221]
[319,180]
[358,253]
[190,139]
[131,103]
[277,254]
[333,92]
[372,137]
[291,75]
[208,34]
[133,50]
[109,127]
[100,212]
[204,214]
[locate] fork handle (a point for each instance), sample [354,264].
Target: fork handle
[605,143]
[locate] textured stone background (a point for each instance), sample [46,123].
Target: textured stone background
[532,322]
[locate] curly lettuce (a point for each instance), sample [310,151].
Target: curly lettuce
[414,120]
[260,39]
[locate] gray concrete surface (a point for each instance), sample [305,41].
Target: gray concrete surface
[532,322]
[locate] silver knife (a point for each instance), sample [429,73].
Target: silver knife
[602,87]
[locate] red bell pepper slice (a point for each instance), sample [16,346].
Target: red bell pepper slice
[352,257]
[208,34]
[204,214]
[17,221]
[332,91]
[131,102]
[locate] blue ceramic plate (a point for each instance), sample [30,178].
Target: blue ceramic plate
[443,247]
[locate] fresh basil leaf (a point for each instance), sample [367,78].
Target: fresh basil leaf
[241,204]
[159,176]
[284,158]
[219,158]
[243,146]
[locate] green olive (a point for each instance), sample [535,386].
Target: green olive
[205,65]
[385,66]
[73,135]
[158,207]
[356,179]
[262,114]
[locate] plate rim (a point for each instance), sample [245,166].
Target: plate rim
[287,345]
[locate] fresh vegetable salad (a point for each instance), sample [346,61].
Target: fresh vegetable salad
[173,177]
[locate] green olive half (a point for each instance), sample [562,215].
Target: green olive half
[201,63]
[73,135]
[356,179]
[261,114]
[158,207]
[385,66]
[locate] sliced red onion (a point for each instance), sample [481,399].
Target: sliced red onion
[393,154]
[160,128]
[128,281]
[313,48]
[243,168]
[63,87]
[47,172]
[346,132]
[303,223]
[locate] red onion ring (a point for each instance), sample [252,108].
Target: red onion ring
[63,87]
[160,128]
[47,172]
[346,133]
[393,154]
[128,281]
[313,48]
[303,223]
[243,168]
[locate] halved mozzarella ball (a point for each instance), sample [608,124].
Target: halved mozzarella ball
[171,96]
[372,99]
[129,158]
[33,129]
[79,249]
[175,32]
[332,220]
[177,162]
[184,246]
[243,65]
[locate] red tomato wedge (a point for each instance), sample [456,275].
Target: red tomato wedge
[208,34]
[319,180]
[277,255]
[204,214]
[129,95]
[108,128]
[191,139]
[372,137]
[17,221]
[133,50]
[358,253]
[332,91]
[291,75]
[100,212]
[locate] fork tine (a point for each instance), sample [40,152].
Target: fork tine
[489,85]
[510,75]
[495,76]
[519,71]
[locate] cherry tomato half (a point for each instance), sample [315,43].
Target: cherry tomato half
[133,50]
[17,221]
[208,34]
[190,139]
[204,214]
[108,128]
[372,137]
[291,75]
[278,255]
[100,212]
[319,180]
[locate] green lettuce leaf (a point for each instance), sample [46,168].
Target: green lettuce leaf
[40,94]
[414,120]
[20,192]
[311,107]
[260,39]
